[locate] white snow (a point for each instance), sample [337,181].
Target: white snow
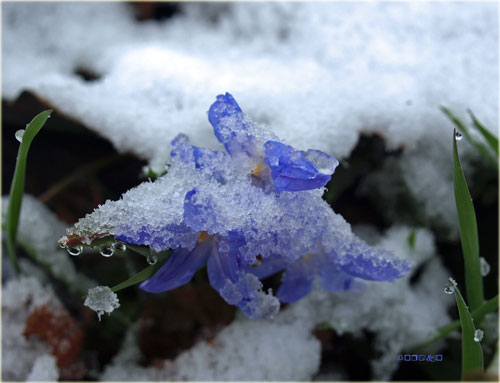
[317,73]
[44,370]
[25,359]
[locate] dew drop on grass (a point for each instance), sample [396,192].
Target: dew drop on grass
[74,250]
[450,286]
[478,335]
[485,267]
[458,135]
[152,259]
[19,135]
[107,251]
[119,246]
[449,289]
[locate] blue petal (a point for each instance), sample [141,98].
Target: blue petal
[222,268]
[182,149]
[230,126]
[333,278]
[295,170]
[239,288]
[268,267]
[201,157]
[179,268]
[298,280]
[363,261]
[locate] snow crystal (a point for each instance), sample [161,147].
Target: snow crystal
[102,300]
[24,358]
[317,73]
[38,232]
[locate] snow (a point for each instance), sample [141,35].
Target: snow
[102,300]
[25,359]
[317,73]
[44,370]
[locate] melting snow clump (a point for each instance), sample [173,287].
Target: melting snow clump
[102,300]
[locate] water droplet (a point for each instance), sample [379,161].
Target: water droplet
[119,246]
[19,135]
[485,267]
[450,286]
[458,135]
[478,335]
[152,259]
[449,289]
[107,251]
[74,250]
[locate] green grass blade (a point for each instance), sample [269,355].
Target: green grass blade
[472,354]
[468,233]
[490,138]
[17,187]
[481,148]
[143,274]
[478,316]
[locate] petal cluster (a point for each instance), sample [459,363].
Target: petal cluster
[246,213]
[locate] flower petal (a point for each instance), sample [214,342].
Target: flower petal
[298,280]
[237,287]
[179,268]
[295,170]
[361,260]
[230,125]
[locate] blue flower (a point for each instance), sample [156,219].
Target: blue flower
[246,213]
[291,170]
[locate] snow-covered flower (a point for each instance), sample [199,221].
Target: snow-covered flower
[246,212]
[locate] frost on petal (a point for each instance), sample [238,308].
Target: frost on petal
[360,260]
[179,268]
[199,212]
[102,300]
[231,126]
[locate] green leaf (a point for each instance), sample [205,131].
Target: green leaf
[468,233]
[144,273]
[478,316]
[472,354]
[481,148]
[490,138]
[17,187]
[412,237]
